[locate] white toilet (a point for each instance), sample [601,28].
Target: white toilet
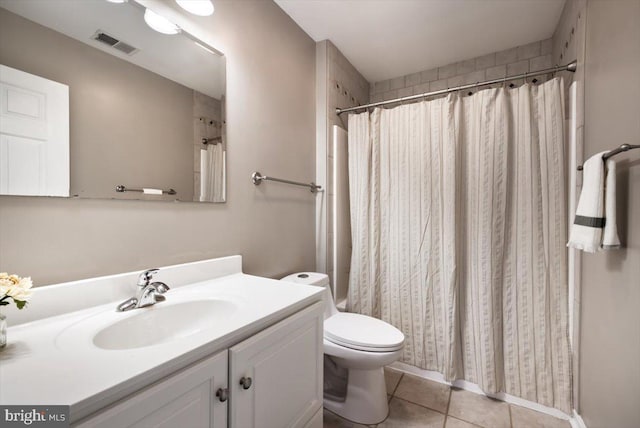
[363,346]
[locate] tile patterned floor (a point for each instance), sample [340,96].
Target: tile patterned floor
[417,402]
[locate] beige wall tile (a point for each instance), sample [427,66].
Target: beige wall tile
[507,56]
[531,50]
[405,92]
[454,81]
[382,86]
[421,88]
[540,63]
[473,77]
[546,46]
[389,95]
[447,71]
[377,97]
[429,75]
[438,85]
[412,79]
[496,72]
[517,68]
[486,61]
[396,83]
[464,67]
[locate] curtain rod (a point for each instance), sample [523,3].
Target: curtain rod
[569,67]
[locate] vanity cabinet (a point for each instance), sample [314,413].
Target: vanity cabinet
[185,399]
[275,377]
[272,379]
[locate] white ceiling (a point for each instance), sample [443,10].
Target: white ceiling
[391,38]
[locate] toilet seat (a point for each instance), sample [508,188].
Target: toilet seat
[362,333]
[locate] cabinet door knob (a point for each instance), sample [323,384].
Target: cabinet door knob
[246,382]
[222,394]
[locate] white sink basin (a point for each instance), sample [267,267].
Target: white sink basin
[163,323]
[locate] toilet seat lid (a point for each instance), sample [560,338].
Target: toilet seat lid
[362,332]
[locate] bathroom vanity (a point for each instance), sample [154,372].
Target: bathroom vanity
[225,349]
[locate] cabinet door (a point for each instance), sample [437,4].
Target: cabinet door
[186,399]
[284,367]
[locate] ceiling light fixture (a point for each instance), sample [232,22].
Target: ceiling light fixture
[117,1]
[160,23]
[197,7]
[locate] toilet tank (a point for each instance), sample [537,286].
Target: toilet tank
[319,280]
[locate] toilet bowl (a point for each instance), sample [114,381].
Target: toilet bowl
[361,345]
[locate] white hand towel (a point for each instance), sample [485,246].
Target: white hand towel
[586,230]
[148,191]
[610,240]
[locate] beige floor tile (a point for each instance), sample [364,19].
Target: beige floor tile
[331,420]
[403,414]
[424,392]
[527,418]
[457,423]
[479,409]
[391,378]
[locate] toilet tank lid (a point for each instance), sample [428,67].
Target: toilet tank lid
[308,278]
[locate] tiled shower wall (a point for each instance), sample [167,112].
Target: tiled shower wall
[517,60]
[338,84]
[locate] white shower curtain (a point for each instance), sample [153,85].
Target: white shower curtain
[458,217]
[212,186]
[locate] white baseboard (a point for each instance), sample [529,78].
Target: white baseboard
[575,420]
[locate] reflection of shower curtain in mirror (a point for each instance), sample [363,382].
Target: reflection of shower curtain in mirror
[212,174]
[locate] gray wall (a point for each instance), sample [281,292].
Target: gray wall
[610,340]
[111,140]
[270,127]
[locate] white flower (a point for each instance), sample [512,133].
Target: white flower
[5,285]
[19,289]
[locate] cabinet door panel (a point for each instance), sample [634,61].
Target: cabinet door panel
[186,399]
[284,363]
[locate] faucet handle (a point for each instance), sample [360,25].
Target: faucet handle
[145,277]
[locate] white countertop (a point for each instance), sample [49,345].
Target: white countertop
[54,361]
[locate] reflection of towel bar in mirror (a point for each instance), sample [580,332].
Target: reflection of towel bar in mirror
[622,148]
[121,188]
[214,140]
[258,178]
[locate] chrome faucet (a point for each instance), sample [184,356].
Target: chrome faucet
[149,293]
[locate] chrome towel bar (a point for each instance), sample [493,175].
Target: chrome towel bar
[622,148]
[257,178]
[121,189]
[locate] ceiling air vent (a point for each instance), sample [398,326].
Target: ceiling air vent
[107,39]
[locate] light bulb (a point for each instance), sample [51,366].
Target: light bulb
[197,7]
[160,23]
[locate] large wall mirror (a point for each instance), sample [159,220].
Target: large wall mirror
[142,112]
